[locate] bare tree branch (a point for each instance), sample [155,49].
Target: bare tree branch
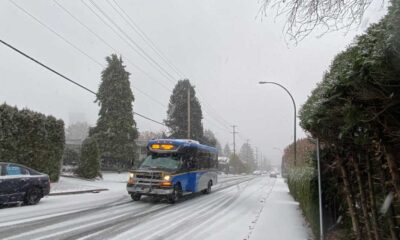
[303,16]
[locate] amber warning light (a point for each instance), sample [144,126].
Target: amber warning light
[162,146]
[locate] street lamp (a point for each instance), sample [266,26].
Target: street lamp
[294,106]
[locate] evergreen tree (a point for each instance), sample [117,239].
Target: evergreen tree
[116,130]
[237,165]
[89,164]
[247,156]
[209,138]
[177,114]
[70,156]
[219,148]
[227,150]
[77,131]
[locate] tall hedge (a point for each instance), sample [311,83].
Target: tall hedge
[31,139]
[355,113]
[303,185]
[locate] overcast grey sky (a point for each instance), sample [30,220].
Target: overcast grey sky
[221,46]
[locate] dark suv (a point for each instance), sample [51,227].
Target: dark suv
[19,183]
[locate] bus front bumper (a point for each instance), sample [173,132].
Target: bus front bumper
[148,190]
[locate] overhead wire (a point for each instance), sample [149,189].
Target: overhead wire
[54,32]
[67,78]
[74,46]
[120,36]
[108,44]
[138,49]
[151,44]
[128,19]
[215,116]
[131,23]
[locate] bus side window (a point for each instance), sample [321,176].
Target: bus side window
[189,163]
[215,160]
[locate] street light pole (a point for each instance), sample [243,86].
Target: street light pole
[295,112]
[321,221]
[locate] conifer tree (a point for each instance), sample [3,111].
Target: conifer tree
[116,130]
[177,114]
[227,150]
[210,139]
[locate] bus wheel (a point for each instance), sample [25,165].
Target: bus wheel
[176,194]
[208,189]
[136,196]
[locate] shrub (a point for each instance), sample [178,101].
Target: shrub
[31,139]
[89,164]
[70,156]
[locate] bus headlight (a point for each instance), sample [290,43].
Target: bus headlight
[167,177]
[131,179]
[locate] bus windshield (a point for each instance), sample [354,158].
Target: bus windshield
[162,161]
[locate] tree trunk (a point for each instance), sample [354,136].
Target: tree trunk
[349,199]
[394,172]
[389,215]
[392,224]
[374,218]
[362,196]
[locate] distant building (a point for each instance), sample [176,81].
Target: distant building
[140,152]
[223,164]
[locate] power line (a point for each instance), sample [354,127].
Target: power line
[119,35]
[151,44]
[139,49]
[148,41]
[74,46]
[68,79]
[84,53]
[142,52]
[143,35]
[54,32]
[107,44]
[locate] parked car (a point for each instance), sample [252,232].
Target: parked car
[273,174]
[19,183]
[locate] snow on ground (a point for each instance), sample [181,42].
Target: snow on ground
[69,184]
[281,217]
[258,209]
[240,207]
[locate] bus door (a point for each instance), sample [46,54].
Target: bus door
[190,175]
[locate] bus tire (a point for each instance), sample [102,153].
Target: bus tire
[136,196]
[208,189]
[176,194]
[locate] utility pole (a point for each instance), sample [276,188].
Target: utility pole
[258,164]
[234,139]
[247,151]
[188,105]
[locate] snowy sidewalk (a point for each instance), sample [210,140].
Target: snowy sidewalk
[71,185]
[281,217]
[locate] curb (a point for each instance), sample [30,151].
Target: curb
[78,192]
[76,177]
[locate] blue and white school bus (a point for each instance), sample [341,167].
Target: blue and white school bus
[172,168]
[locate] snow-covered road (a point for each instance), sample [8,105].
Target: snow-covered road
[231,211]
